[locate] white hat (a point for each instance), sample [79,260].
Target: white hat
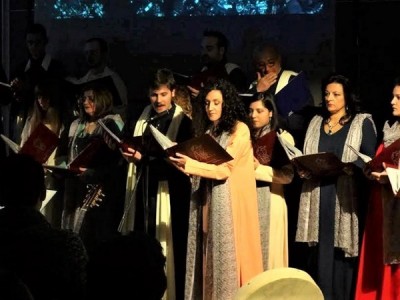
[280,283]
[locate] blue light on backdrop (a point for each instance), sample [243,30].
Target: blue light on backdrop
[87,9]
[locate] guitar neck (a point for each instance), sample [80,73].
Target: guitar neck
[79,216]
[93,196]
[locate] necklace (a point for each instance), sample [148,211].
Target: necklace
[330,126]
[90,127]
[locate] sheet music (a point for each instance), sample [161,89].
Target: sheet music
[13,145]
[182,75]
[364,157]
[290,150]
[49,195]
[102,125]
[394,178]
[162,139]
[5,84]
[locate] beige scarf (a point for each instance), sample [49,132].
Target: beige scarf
[140,127]
[163,214]
[220,280]
[346,215]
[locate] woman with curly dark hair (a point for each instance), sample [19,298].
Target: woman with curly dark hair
[224,235]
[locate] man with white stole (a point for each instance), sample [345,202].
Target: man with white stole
[158,195]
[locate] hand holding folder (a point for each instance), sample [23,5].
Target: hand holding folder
[321,164]
[40,144]
[269,151]
[89,157]
[134,142]
[393,173]
[263,148]
[203,148]
[389,155]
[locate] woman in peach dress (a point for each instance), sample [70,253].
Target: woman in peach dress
[224,248]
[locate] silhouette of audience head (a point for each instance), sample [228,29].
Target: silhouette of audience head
[12,287]
[214,47]
[21,181]
[36,40]
[131,265]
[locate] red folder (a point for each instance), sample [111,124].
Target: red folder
[134,142]
[89,157]
[40,144]
[389,155]
[263,147]
[203,148]
[320,164]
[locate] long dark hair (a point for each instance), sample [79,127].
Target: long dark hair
[392,119]
[103,102]
[233,109]
[268,101]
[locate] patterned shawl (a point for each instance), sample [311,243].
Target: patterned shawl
[220,280]
[346,214]
[264,208]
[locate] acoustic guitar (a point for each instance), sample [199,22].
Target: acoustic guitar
[93,198]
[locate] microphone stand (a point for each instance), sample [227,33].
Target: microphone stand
[143,165]
[133,193]
[132,197]
[146,199]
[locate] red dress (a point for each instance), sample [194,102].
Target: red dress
[376,280]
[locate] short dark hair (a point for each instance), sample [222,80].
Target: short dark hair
[21,181]
[102,43]
[36,28]
[273,49]
[162,77]
[353,105]
[222,40]
[396,81]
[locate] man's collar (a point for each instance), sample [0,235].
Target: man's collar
[45,63]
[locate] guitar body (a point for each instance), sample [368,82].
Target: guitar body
[93,198]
